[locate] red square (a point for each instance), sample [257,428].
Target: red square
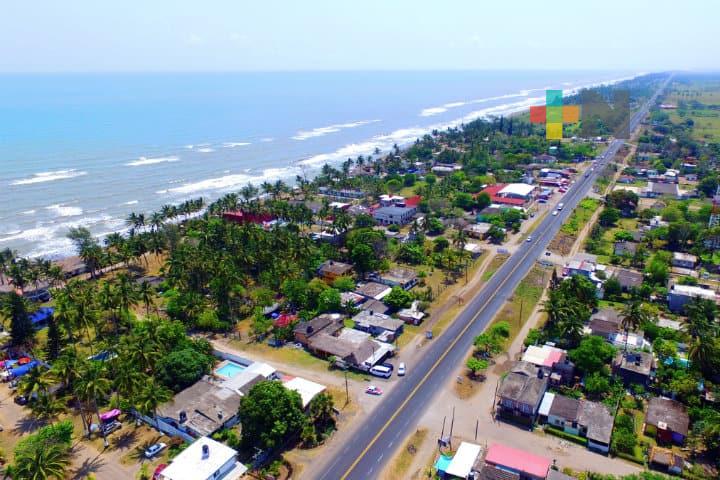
[537,114]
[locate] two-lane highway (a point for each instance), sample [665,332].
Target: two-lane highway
[383,432]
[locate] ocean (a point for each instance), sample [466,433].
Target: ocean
[88,149]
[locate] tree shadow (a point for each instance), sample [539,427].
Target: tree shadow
[89,465]
[124,440]
[28,424]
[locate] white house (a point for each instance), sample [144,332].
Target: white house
[205,459]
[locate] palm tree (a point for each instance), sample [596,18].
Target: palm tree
[35,382]
[146,293]
[633,315]
[46,406]
[150,397]
[92,385]
[46,463]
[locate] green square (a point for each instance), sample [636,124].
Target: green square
[553,115]
[553,98]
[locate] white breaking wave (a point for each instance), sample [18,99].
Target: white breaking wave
[131,202]
[429,112]
[235,144]
[267,139]
[205,150]
[322,131]
[49,177]
[152,161]
[65,210]
[28,212]
[229,182]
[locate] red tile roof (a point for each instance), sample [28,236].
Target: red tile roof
[493,191]
[284,320]
[413,201]
[517,460]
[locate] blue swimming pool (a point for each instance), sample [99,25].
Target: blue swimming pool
[230,369]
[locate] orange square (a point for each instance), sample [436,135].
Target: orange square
[553,131]
[537,114]
[571,113]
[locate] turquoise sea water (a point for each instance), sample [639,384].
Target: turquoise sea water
[89,149]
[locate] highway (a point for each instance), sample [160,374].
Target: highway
[381,434]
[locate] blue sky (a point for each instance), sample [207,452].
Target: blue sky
[229,35]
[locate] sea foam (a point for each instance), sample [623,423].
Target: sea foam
[49,177]
[322,131]
[142,161]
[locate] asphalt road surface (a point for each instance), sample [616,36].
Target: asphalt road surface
[381,433]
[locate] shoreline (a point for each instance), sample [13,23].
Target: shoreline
[407,137]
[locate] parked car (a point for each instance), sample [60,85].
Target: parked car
[158,471]
[108,428]
[388,365]
[381,371]
[547,254]
[154,449]
[373,390]
[401,369]
[20,399]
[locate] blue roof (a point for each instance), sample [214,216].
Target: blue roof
[23,369]
[41,315]
[443,462]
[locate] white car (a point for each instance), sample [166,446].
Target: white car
[555,213]
[401,369]
[154,449]
[529,239]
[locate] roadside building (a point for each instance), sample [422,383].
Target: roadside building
[464,463]
[684,260]
[667,420]
[378,325]
[681,295]
[355,348]
[330,323]
[520,393]
[412,315]
[205,459]
[473,249]
[478,230]
[331,269]
[635,367]
[305,388]
[525,465]
[398,277]
[658,189]
[552,361]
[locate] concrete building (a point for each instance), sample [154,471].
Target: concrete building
[635,367]
[520,393]
[331,269]
[681,295]
[684,260]
[398,277]
[394,215]
[667,420]
[205,459]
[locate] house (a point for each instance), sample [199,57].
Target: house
[473,249]
[351,298]
[376,306]
[341,193]
[587,268]
[205,459]
[378,324]
[513,194]
[657,222]
[201,409]
[331,269]
[242,217]
[398,277]
[394,215]
[628,279]
[526,466]
[605,323]
[329,322]
[624,249]
[564,413]
[596,424]
[305,388]
[635,367]
[666,460]
[464,462]
[353,347]
[680,295]
[412,315]
[684,260]
[657,189]
[72,266]
[478,230]
[552,360]
[521,392]
[373,290]
[667,420]
[545,158]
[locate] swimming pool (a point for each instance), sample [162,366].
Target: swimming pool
[229,369]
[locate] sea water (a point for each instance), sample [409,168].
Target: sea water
[86,150]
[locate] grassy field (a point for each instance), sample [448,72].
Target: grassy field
[519,307]
[402,461]
[693,102]
[495,264]
[580,216]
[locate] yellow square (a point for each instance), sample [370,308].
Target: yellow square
[553,131]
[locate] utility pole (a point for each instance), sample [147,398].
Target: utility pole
[347,392]
[520,317]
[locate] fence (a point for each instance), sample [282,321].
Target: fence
[164,427]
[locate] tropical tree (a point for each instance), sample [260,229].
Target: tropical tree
[634,314]
[46,463]
[92,386]
[150,397]
[15,307]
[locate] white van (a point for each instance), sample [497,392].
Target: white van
[381,371]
